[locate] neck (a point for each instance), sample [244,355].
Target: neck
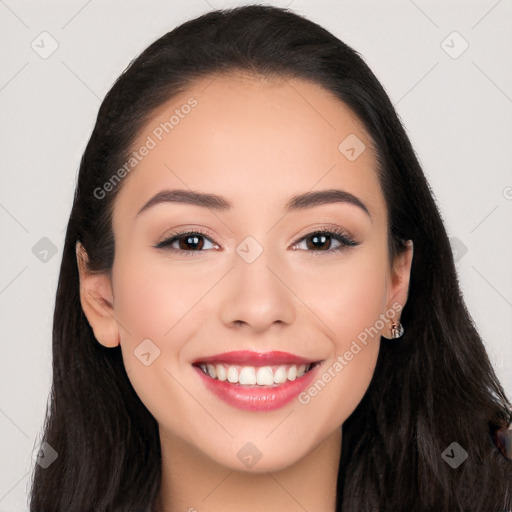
[193,482]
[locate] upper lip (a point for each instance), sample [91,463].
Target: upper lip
[250,358]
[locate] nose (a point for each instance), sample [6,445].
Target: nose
[256,295]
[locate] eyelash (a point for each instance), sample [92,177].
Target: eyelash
[338,234]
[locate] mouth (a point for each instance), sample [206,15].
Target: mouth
[254,380]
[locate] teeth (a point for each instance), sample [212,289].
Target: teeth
[221,372]
[250,375]
[280,375]
[265,376]
[212,372]
[247,376]
[232,375]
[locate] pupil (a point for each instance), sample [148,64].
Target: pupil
[192,240]
[323,239]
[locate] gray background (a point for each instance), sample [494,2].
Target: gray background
[456,106]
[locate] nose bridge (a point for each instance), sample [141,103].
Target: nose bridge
[256,293]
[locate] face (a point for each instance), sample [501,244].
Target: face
[280,300]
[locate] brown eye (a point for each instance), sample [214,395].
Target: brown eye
[194,242]
[191,241]
[321,241]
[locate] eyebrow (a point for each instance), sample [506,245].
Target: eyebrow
[219,203]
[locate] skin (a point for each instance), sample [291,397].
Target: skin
[257,143]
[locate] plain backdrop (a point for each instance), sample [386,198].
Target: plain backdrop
[445,65]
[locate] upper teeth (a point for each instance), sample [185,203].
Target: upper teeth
[250,375]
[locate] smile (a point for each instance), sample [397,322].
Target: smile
[252,375]
[256,381]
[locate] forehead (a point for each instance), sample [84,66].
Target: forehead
[254,140]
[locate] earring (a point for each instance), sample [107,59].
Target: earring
[503,439]
[397,330]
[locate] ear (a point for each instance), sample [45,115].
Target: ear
[400,277]
[96,298]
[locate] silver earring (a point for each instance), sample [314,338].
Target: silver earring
[397,330]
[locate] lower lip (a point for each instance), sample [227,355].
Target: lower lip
[257,398]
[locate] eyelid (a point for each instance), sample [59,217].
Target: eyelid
[322,228]
[175,234]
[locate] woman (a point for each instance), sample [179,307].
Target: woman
[250,221]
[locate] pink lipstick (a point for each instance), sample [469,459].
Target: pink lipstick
[256,381]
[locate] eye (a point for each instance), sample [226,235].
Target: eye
[187,241]
[321,240]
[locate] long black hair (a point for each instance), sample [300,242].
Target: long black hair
[433,387]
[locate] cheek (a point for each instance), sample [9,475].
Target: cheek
[340,385]
[349,299]
[162,302]
[348,296]
[154,299]
[157,301]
